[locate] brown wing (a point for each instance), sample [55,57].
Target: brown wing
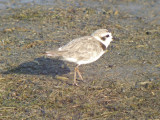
[83,48]
[75,43]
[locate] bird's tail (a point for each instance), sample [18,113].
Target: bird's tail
[52,53]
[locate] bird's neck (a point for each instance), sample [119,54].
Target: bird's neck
[106,42]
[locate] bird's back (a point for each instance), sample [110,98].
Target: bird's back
[82,50]
[75,42]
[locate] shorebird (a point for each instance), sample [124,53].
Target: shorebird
[84,50]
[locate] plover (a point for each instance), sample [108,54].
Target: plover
[84,50]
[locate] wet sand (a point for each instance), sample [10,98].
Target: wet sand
[123,84]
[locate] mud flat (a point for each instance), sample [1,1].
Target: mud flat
[123,84]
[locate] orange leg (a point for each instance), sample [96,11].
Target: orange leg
[76,70]
[75,81]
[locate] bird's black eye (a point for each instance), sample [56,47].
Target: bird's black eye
[107,36]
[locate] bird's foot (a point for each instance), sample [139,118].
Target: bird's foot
[75,83]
